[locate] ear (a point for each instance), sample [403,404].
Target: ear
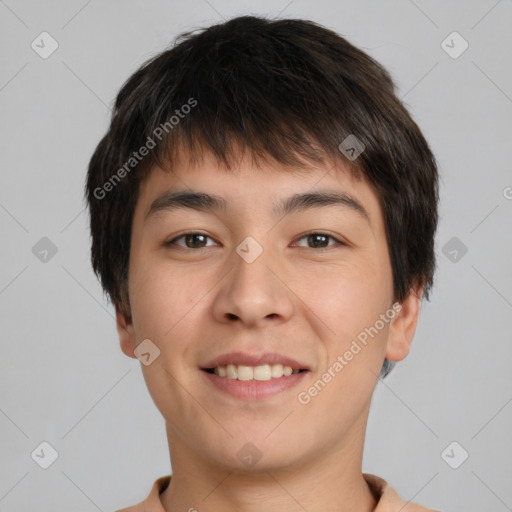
[126,333]
[403,326]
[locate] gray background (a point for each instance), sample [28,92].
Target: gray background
[64,379]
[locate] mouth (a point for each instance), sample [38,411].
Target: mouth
[262,372]
[249,376]
[253,383]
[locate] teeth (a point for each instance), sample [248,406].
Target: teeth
[262,372]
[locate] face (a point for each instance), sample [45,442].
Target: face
[308,285]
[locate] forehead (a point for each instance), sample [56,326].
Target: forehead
[261,188]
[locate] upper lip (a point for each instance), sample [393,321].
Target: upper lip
[254,360]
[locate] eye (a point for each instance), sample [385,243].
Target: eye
[196,240]
[193,240]
[319,239]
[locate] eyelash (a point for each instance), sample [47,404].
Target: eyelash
[339,242]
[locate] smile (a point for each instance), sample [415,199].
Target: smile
[253,388]
[261,372]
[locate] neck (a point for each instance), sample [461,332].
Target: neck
[331,480]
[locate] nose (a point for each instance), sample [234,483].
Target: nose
[254,293]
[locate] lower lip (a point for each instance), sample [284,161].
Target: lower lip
[255,389]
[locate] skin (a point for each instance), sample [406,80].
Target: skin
[297,298]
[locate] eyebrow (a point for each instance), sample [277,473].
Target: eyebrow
[201,201]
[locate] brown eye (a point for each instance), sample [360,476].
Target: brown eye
[192,240]
[316,240]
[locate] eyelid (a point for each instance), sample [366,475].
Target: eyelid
[328,235]
[185,233]
[300,237]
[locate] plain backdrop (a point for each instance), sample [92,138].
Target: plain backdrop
[64,379]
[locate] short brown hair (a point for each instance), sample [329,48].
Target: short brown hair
[287,89]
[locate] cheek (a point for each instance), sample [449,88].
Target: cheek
[347,297]
[349,300]
[162,308]
[159,296]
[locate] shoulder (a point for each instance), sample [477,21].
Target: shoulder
[152,503]
[388,499]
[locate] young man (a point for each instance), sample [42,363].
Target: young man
[263,211]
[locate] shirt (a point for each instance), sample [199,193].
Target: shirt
[388,499]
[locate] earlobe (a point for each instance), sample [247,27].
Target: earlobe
[126,333]
[403,326]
